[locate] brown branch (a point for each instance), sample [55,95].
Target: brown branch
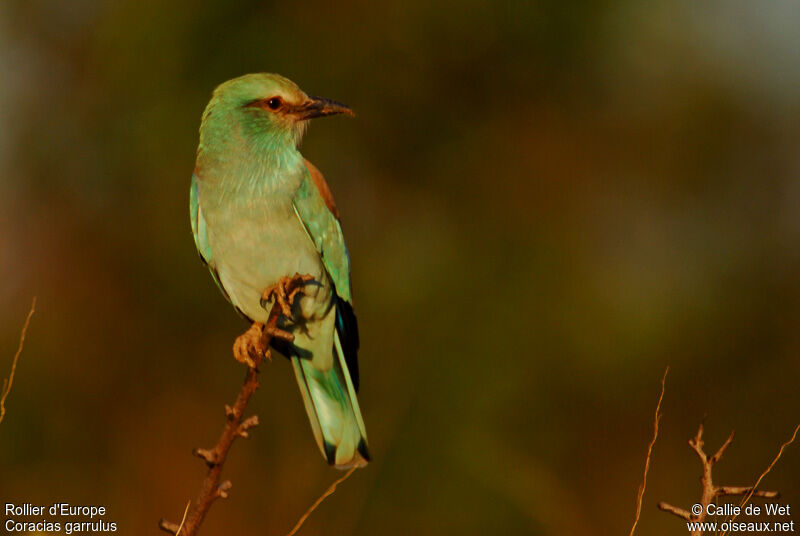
[235,426]
[710,490]
[752,491]
[8,382]
[656,419]
[742,490]
[716,457]
[680,512]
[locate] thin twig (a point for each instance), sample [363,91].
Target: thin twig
[716,457]
[186,511]
[656,419]
[322,497]
[680,512]
[7,383]
[767,470]
[743,490]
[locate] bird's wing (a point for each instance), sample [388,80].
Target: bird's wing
[312,203]
[201,234]
[324,189]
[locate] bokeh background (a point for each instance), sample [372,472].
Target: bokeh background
[546,204]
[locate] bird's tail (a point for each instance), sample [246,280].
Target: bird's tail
[330,400]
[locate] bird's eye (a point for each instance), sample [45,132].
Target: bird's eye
[274,103]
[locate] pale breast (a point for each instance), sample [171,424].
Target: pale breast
[256,241]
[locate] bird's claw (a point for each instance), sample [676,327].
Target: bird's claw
[285,291]
[250,345]
[278,333]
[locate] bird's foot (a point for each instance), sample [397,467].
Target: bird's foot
[278,333]
[251,346]
[285,291]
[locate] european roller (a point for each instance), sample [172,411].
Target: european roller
[262,215]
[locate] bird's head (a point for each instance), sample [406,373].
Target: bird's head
[269,104]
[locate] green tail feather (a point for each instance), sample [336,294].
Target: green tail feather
[332,408]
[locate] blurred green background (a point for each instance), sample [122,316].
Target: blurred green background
[545,203]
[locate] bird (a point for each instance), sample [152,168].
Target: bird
[261,212]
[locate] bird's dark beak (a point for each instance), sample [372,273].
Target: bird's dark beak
[319,107]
